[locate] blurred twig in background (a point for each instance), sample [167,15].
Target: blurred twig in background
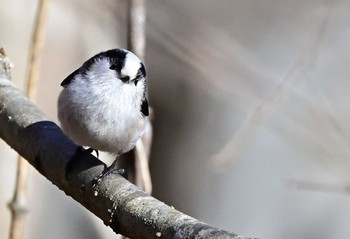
[136,27]
[319,186]
[136,44]
[300,70]
[18,205]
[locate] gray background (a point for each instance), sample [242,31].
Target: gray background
[251,111]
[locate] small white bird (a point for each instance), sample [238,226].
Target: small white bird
[103,104]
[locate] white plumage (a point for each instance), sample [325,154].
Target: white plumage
[103,104]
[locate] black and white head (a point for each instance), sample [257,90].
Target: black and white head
[119,63]
[116,68]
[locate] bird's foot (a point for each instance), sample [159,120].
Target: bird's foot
[90,150]
[110,170]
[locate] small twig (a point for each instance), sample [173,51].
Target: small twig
[136,27]
[136,43]
[143,176]
[18,205]
[319,186]
[36,49]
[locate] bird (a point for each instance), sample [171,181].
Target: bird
[103,104]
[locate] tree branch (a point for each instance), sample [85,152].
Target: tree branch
[120,204]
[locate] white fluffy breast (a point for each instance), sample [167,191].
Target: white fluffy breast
[99,111]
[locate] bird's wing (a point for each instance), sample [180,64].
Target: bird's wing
[69,78]
[144,107]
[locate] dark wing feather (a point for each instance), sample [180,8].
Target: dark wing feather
[69,78]
[144,107]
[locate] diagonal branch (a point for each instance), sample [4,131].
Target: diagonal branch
[120,204]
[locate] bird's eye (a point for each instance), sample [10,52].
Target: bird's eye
[124,79]
[113,67]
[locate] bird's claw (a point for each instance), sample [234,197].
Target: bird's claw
[122,172]
[90,150]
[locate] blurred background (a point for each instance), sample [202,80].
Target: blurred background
[251,115]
